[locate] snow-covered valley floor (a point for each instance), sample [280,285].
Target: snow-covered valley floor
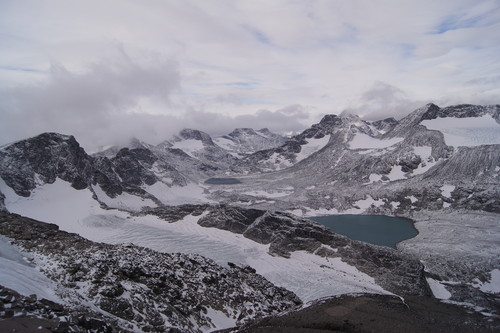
[309,276]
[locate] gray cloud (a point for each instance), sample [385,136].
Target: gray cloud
[88,104]
[102,106]
[383,100]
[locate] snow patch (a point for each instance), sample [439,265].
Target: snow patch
[363,205]
[438,289]
[412,198]
[492,286]
[313,145]
[396,173]
[123,201]
[178,195]
[374,178]
[189,146]
[446,190]
[275,194]
[309,212]
[220,319]
[17,274]
[470,131]
[363,141]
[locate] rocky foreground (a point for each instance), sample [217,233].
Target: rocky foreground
[125,287]
[375,313]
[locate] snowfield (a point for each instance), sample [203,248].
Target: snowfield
[189,146]
[18,274]
[363,141]
[313,145]
[76,211]
[470,132]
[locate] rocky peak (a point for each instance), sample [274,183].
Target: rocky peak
[44,158]
[330,120]
[266,132]
[431,111]
[192,134]
[242,131]
[385,125]
[409,122]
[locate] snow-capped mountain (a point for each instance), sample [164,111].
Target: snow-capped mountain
[438,166]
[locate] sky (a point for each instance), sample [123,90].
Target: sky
[105,71]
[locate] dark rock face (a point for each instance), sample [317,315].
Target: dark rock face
[133,166]
[2,202]
[155,291]
[385,125]
[175,213]
[376,313]
[42,159]
[49,156]
[461,111]
[193,134]
[286,233]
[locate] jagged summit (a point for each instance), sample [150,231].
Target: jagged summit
[192,134]
[43,158]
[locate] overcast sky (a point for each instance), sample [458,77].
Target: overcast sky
[106,70]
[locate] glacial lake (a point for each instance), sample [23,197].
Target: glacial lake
[374,229]
[222,181]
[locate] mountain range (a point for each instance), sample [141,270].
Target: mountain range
[244,198]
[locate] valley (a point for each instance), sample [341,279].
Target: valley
[244,200]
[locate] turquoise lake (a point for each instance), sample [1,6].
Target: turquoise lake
[374,229]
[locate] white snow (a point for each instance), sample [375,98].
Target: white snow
[177,195]
[412,198]
[76,211]
[395,204]
[330,276]
[315,212]
[364,204]
[313,145]
[220,319]
[428,161]
[363,141]
[17,274]
[396,173]
[470,132]
[58,203]
[189,146]
[492,286]
[374,177]
[438,289]
[446,190]
[123,201]
[275,194]
[225,143]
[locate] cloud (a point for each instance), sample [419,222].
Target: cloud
[114,100]
[233,60]
[91,104]
[382,101]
